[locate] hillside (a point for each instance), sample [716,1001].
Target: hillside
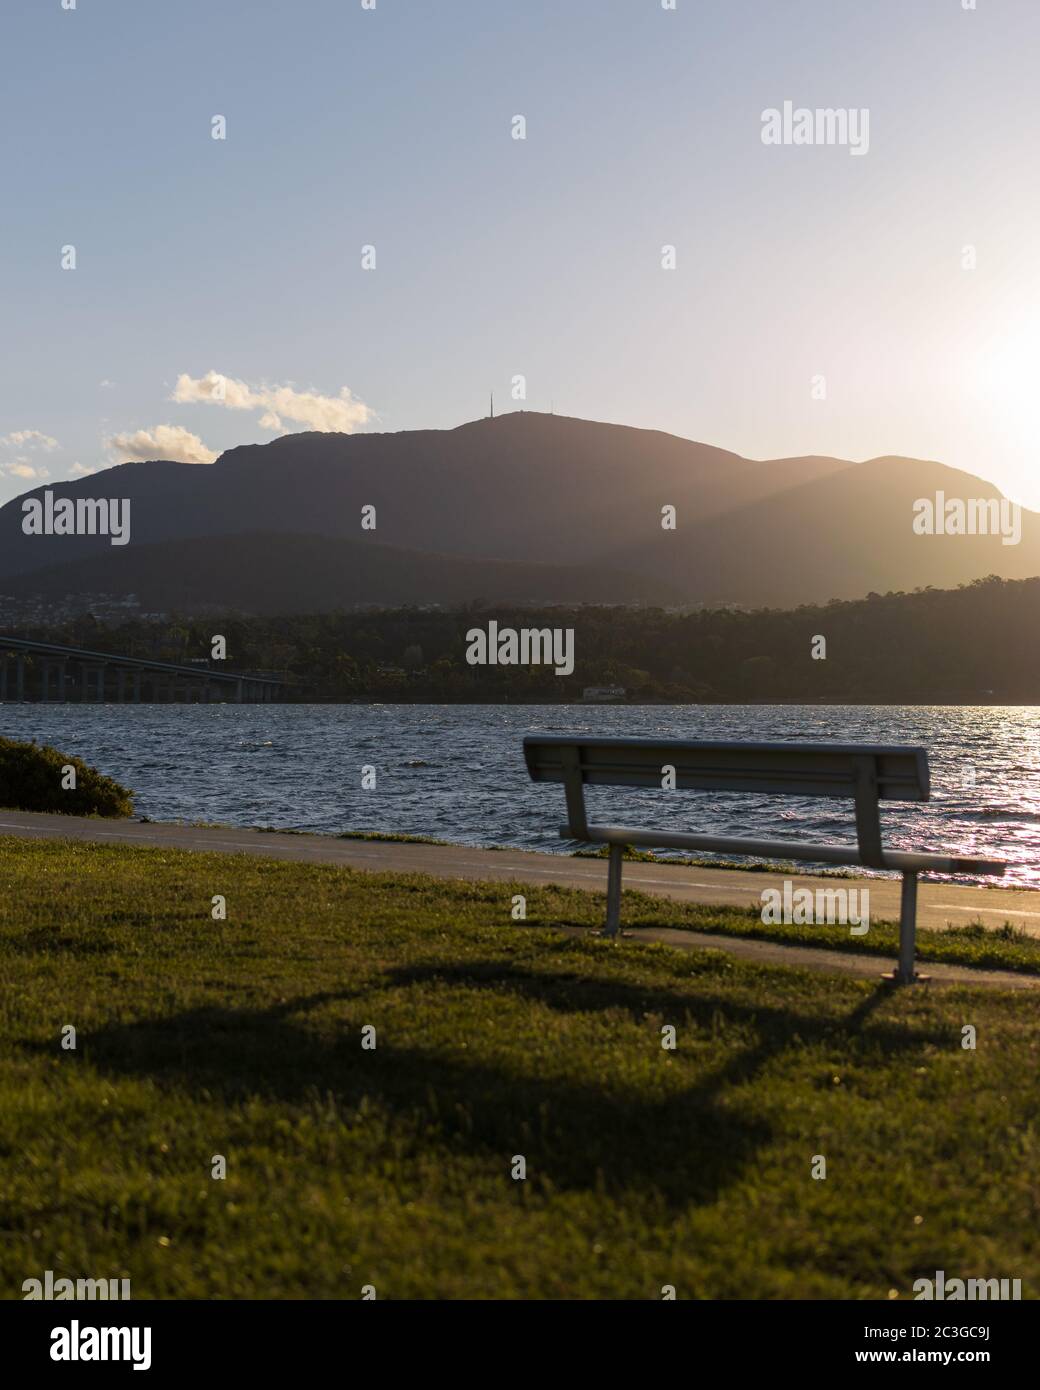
[839,536]
[264,573]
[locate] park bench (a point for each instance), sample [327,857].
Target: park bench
[864,774]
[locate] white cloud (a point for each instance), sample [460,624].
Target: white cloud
[22,468]
[163,442]
[79,470]
[31,439]
[342,413]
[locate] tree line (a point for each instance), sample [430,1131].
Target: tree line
[973,643]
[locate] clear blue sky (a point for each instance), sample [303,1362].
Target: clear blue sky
[496,256]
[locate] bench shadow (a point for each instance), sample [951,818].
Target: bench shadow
[574,993]
[687,1148]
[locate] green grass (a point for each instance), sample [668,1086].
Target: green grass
[391,1167]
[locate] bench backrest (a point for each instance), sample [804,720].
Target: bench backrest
[863,772]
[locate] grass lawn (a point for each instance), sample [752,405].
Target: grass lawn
[392,1167]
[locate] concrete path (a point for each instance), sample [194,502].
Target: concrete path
[939,904]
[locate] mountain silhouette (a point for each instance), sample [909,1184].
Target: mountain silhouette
[575,504]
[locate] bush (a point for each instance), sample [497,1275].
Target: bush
[31,780]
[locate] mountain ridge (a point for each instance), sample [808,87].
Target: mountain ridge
[533,489]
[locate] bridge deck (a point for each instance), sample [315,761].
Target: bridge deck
[162,677]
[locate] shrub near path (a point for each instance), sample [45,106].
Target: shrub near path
[35,777]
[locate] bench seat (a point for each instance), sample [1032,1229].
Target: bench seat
[897,859]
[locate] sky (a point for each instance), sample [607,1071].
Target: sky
[822,300]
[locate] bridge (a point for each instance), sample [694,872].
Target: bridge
[43,672]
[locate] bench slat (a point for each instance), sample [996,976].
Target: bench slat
[779,769]
[901,860]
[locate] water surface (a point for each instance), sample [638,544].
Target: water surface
[457,771]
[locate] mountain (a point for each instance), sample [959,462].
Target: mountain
[527,490]
[524,486]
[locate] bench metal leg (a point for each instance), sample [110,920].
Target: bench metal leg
[614,889]
[904,975]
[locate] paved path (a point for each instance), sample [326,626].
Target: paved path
[939,904]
